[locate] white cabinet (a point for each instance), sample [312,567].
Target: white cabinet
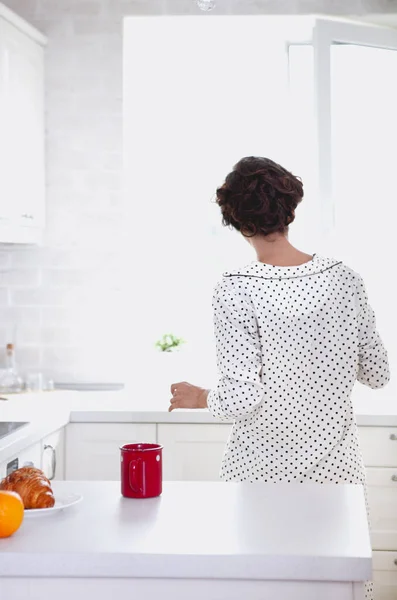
[47,454]
[379,448]
[30,454]
[385,575]
[92,449]
[22,182]
[192,452]
[53,455]
[382,497]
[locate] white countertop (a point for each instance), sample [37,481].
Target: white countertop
[198,530]
[49,411]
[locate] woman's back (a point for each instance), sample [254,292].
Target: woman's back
[291,343]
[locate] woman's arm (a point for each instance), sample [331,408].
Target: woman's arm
[373,364]
[239,390]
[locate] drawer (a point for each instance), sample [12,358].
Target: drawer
[379,446]
[385,561]
[30,454]
[382,498]
[192,452]
[92,449]
[385,575]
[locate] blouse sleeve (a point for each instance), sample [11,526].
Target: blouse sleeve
[373,364]
[239,357]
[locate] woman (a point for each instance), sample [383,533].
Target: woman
[293,333]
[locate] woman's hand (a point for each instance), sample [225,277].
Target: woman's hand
[186,395]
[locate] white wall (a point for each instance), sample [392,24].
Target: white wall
[65,296]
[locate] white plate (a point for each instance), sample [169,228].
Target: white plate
[62,501]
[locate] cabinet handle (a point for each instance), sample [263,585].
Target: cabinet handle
[53,460]
[393,437]
[394,478]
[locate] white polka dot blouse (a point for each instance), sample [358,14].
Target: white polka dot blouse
[291,342]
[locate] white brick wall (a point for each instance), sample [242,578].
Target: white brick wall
[65,297]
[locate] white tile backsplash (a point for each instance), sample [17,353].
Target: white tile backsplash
[67,277]
[93,27]
[56,316]
[29,358]
[91,8]
[65,296]
[26,315]
[29,335]
[22,257]
[4,297]
[20,278]
[58,357]
[44,296]
[5,259]
[57,336]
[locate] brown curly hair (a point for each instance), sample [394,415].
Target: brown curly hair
[259,197]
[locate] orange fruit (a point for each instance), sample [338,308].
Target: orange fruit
[11,513]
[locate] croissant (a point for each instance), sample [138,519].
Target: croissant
[32,485]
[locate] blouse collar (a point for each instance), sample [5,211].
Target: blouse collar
[318,264]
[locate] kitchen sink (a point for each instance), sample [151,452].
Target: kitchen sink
[8,427]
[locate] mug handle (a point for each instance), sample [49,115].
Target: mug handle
[135,480]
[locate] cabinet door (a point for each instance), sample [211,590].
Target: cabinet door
[192,452]
[379,446]
[385,575]
[22,186]
[382,498]
[30,454]
[92,449]
[53,455]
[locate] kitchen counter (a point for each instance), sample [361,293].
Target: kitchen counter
[196,530]
[48,411]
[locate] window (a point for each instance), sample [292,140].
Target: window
[200,93]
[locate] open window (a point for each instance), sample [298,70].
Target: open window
[346,108]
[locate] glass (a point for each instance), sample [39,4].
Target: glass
[304,232]
[364,133]
[49,385]
[34,382]
[10,380]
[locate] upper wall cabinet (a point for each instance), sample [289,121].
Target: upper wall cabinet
[22,164]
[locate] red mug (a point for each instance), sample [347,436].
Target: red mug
[141,470]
